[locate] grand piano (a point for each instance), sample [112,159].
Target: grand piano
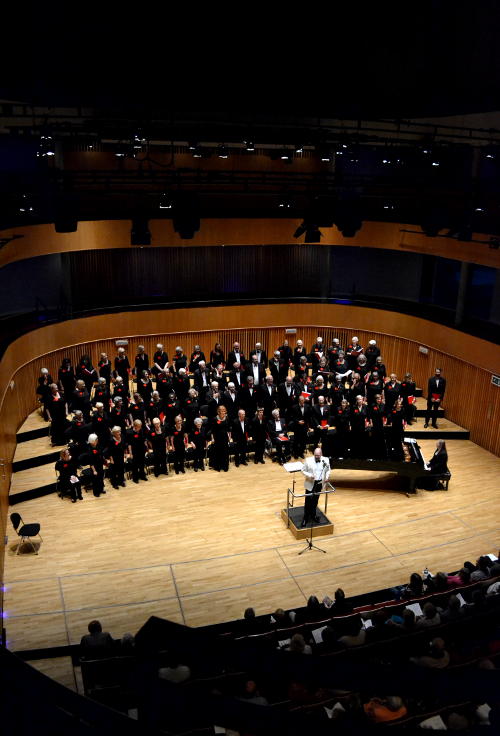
[411,467]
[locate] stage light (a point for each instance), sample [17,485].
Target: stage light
[325,154]
[478,209]
[435,163]
[122,150]
[490,155]
[138,142]
[285,203]
[197,152]
[222,151]
[192,146]
[299,149]
[285,155]
[249,146]
[165,202]
[46,146]
[25,205]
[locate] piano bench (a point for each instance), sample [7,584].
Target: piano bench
[444,478]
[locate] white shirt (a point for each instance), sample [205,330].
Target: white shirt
[255,374]
[278,425]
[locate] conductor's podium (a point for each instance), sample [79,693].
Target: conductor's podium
[293,519]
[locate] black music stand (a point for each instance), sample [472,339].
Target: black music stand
[309,543]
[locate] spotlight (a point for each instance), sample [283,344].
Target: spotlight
[138,142]
[192,146]
[479,209]
[140,234]
[25,205]
[435,163]
[197,152]
[222,151]
[325,154]
[165,202]
[122,150]
[249,146]
[285,155]
[299,149]
[46,147]
[285,203]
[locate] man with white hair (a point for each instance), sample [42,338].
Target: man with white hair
[287,396]
[268,397]
[179,360]
[260,353]
[277,431]
[278,368]
[298,353]
[214,399]
[201,378]
[316,471]
[141,361]
[160,360]
[231,401]
[181,385]
[122,365]
[238,376]
[256,370]
[236,356]
[240,430]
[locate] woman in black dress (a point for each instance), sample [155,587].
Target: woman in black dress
[43,389]
[359,420]
[396,420]
[217,355]
[145,387]
[438,466]
[408,388]
[137,409]
[136,439]
[259,436]
[115,453]
[221,436]
[66,468]
[96,462]
[177,444]
[157,441]
[86,372]
[57,409]
[341,419]
[66,376]
[198,442]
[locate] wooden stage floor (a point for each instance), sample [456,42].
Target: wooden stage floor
[200,548]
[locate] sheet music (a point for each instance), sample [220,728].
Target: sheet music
[317,634]
[293,467]
[435,723]
[416,608]
[331,711]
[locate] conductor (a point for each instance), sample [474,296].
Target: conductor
[316,471]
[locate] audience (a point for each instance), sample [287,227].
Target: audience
[97,642]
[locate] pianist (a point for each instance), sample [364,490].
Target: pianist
[436,467]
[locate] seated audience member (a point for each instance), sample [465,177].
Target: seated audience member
[282,619]
[461,578]
[483,570]
[477,605]
[251,694]
[127,644]
[493,589]
[356,635]
[408,623]
[430,616]
[175,672]
[436,658]
[415,587]
[329,641]
[381,710]
[314,609]
[298,645]
[341,606]
[379,630]
[452,610]
[97,643]
[438,583]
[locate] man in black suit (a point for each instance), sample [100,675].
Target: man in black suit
[239,432]
[298,352]
[287,396]
[214,399]
[201,378]
[248,396]
[236,356]
[286,353]
[260,353]
[238,376]
[333,353]
[300,423]
[141,362]
[268,397]
[231,401]
[435,395]
[257,371]
[278,368]
[321,420]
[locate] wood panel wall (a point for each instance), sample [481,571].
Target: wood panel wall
[467,362]
[38,240]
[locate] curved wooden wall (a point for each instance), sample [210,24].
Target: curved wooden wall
[39,240]
[467,362]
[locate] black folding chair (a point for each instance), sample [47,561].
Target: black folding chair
[25,531]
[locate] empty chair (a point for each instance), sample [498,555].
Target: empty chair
[25,531]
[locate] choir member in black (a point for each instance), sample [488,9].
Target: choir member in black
[179,360]
[122,365]
[236,356]
[43,389]
[86,372]
[259,436]
[318,389]
[277,431]
[136,440]
[286,353]
[287,396]
[357,388]
[101,393]
[372,352]
[337,391]
[221,435]
[408,388]
[201,378]
[77,434]
[317,350]
[104,367]
[157,440]
[341,419]
[436,387]
[278,368]
[154,408]
[96,461]
[115,454]
[362,368]
[300,423]
[341,365]
[217,355]
[198,442]
[302,369]
[268,397]
[66,377]
[118,415]
[218,375]
[298,353]
[322,369]
[353,351]
[261,355]
[196,356]
[321,422]
[141,362]
[380,367]
[358,420]
[376,415]
[257,371]
[120,388]
[57,409]
[163,384]
[160,361]
[214,399]
[145,386]
[333,353]
[191,408]
[249,397]
[177,441]
[137,409]
[180,384]
[396,421]
[231,401]
[238,376]
[374,386]
[392,389]
[100,424]
[240,432]
[438,466]
[67,481]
